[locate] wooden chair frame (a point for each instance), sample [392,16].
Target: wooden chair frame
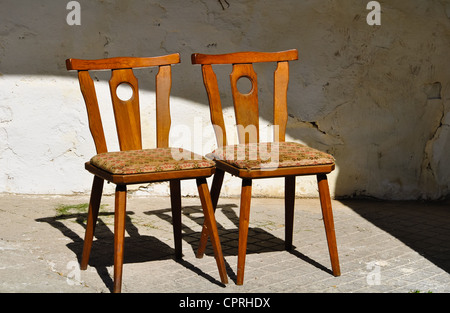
[128,124]
[247,114]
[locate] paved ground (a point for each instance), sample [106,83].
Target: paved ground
[394,247]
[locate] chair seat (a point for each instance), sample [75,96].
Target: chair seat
[256,156]
[149,161]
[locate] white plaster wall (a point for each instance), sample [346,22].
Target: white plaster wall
[376,97]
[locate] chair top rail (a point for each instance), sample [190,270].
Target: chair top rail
[244,57]
[121,62]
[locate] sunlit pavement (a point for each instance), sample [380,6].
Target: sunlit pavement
[393,247]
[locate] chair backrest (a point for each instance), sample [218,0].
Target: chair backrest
[126,112]
[246,106]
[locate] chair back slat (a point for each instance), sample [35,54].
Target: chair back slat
[163,86]
[212,88]
[94,117]
[280,112]
[126,112]
[245,104]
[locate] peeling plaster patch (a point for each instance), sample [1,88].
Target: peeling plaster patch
[6,114]
[311,133]
[433,90]
[224,4]
[447,9]
[435,168]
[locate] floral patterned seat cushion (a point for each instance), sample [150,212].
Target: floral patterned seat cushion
[149,161]
[270,155]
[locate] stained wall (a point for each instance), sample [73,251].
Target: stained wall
[376,97]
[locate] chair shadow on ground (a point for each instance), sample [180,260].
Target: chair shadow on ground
[142,248]
[422,226]
[259,240]
[138,248]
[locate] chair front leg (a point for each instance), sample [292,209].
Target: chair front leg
[175,199]
[119,235]
[211,226]
[289,202]
[327,212]
[244,220]
[94,206]
[215,193]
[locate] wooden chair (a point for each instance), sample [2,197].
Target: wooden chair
[134,165]
[293,159]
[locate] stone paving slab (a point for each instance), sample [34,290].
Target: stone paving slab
[384,247]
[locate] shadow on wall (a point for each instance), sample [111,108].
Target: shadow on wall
[376,97]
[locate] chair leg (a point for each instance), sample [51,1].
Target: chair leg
[244,219]
[325,201]
[215,193]
[210,221]
[289,201]
[119,235]
[175,199]
[94,206]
